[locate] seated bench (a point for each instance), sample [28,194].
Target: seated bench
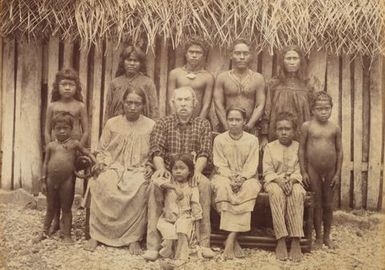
[261,218]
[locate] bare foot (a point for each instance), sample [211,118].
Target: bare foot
[67,239]
[91,245]
[228,253]
[135,248]
[295,250]
[150,255]
[54,227]
[281,249]
[238,252]
[329,243]
[166,250]
[39,238]
[318,243]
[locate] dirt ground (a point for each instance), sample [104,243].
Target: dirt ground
[359,235]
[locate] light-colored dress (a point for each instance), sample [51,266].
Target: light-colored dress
[178,215]
[119,194]
[235,157]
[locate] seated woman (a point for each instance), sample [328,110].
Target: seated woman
[119,193]
[283,183]
[235,185]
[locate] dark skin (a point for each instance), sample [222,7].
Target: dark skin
[320,156]
[202,81]
[227,93]
[57,180]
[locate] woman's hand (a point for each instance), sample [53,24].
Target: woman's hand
[98,168]
[148,172]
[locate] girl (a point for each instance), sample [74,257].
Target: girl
[181,209]
[67,97]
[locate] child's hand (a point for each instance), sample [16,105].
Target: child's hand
[335,182]
[179,194]
[306,180]
[288,187]
[98,168]
[44,188]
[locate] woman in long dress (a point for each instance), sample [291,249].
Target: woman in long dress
[119,193]
[290,91]
[235,184]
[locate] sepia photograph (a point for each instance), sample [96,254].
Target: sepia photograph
[192,134]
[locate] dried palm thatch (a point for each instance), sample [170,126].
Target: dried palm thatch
[339,26]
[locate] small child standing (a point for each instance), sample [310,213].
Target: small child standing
[58,173]
[67,97]
[320,156]
[181,209]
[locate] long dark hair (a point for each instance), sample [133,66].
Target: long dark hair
[127,52]
[66,74]
[302,71]
[186,159]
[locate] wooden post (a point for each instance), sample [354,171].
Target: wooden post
[358,132]
[346,127]
[7,111]
[317,67]
[376,121]
[163,76]
[68,54]
[108,76]
[267,65]
[217,61]
[28,155]
[96,96]
[53,63]
[179,56]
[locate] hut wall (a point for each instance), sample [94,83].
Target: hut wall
[28,71]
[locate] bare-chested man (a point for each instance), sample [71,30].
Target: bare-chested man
[194,75]
[240,87]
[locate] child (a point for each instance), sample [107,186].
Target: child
[283,183]
[320,156]
[67,97]
[58,173]
[181,209]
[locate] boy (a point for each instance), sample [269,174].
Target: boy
[320,156]
[283,183]
[58,173]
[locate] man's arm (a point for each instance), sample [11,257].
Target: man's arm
[85,127]
[171,87]
[207,97]
[338,143]
[260,99]
[48,126]
[219,101]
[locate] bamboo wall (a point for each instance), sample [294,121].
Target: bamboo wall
[28,71]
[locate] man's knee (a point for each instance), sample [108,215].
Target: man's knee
[274,190]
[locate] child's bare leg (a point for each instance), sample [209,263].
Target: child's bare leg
[238,252]
[328,211]
[295,249]
[181,252]
[166,250]
[66,199]
[228,253]
[316,187]
[55,223]
[281,249]
[52,204]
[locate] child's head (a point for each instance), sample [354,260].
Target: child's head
[285,127]
[321,106]
[67,84]
[62,124]
[182,168]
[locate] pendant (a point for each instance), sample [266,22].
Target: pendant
[191,76]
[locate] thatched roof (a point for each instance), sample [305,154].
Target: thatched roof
[339,26]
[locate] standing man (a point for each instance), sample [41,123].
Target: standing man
[240,87]
[194,75]
[175,134]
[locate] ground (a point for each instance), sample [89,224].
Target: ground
[360,241]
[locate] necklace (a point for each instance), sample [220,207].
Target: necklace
[63,143]
[241,83]
[237,137]
[191,74]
